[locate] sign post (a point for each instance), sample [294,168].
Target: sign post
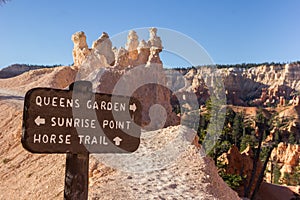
[76,176]
[78,122]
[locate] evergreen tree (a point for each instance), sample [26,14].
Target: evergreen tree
[295,180]
[286,178]
[217,115]
[238,128]
[292,139]
[276,174]
[247,140]
[277,138]
[292,179]
[264,136]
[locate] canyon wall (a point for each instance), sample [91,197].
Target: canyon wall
[265,85]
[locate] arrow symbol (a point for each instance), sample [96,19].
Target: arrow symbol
[38,121]
[132,107]
[117,141]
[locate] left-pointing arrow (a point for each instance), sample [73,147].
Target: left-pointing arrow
[38,121]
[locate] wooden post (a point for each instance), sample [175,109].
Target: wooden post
[77,165]
[76,177]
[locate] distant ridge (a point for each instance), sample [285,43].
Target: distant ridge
[238,65]
[17,69]
[250,65]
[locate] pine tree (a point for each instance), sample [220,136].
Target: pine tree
[277,137]
[238,127]
[292,139]
[276,174]
[264,136]
[247,140]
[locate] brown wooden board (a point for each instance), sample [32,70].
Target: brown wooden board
[70,121]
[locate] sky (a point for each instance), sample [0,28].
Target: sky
[230,31]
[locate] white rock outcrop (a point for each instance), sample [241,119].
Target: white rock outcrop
[103,46]
[81,49]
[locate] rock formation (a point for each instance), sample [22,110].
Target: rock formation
[132,45]
[81,49]
[154,56]
[135,52]
[240,164]
[141,54]
[103,46]
[154,41]
[122,58]
[287,158]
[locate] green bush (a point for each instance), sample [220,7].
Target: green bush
[232,180]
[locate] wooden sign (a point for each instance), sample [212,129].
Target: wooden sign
[62,121]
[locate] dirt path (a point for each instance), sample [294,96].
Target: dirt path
[180,174]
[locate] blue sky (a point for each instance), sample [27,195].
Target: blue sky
[39,32]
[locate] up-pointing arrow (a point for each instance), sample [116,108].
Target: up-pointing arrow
[38,121]
[132,107]
[117,141]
